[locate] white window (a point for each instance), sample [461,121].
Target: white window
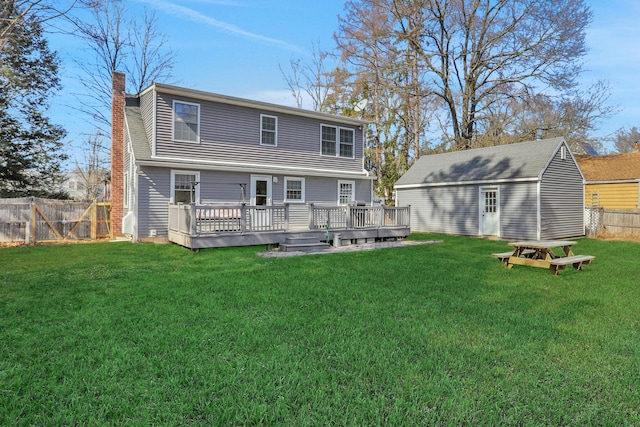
[346,192]
[186,121]
[185,187]
[268,130]
[346,142]
[336,141]
[293,189]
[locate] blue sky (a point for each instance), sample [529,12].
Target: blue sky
[235,47]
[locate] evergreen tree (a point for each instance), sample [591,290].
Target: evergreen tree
[30,145]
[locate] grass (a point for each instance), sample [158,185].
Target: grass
[146,334]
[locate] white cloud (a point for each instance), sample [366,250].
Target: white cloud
[195,16]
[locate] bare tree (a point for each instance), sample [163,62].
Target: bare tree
[117,43]
[476,53]
[309,80]
[93,167]
[626,140]
[35,11]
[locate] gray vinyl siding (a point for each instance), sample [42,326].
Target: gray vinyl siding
[518,211]
[147,110]
[562,199]
[226,188]
[231,133]
[153,200]
[448,210]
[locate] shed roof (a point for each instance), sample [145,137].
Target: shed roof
[512,162]
[616,167]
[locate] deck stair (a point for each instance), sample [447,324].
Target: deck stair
[303,244]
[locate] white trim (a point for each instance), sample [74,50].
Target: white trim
[173,122]
[481,206]
[353,191]
[172,189]
[478,182]
[275,144]
[170,162]
[614,181]
[337,141]
[154,136]
[252,191]
[294,178]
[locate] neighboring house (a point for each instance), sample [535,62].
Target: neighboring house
[612,182]
[529,190]
[207,170]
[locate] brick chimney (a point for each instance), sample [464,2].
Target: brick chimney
[117,152]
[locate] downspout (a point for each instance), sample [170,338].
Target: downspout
[136,172]
[538,210]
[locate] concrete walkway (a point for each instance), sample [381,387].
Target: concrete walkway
[349,248]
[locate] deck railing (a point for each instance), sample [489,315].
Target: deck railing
[357,217]
[224,219]
[211,219]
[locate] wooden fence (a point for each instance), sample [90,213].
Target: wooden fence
[33,220]
[613,222]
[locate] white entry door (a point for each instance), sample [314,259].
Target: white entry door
[489,211]
[261,196]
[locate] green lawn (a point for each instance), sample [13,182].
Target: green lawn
[116,333]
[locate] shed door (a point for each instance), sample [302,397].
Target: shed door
[489,211]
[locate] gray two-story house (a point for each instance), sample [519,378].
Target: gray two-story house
[208,170]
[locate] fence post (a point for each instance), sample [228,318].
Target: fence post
[94,220]
[34,236]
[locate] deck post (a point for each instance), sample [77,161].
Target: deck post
[243,216]
[286,216]
[311,224]
[193,220]
[349,214]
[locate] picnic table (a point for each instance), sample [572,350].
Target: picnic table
[539,253]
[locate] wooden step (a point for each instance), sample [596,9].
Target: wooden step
[303,244]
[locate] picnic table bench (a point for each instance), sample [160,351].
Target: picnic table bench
[539,253]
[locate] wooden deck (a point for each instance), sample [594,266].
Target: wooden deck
[211,226]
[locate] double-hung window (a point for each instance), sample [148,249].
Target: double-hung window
[337,141]
[268,130]
[185,187]
[346,192]
[293,190]
[346,142]
[186,121]
[329,140]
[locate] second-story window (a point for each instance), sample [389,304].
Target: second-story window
[336,141]
[186,121]
[268,130]
[346,142]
